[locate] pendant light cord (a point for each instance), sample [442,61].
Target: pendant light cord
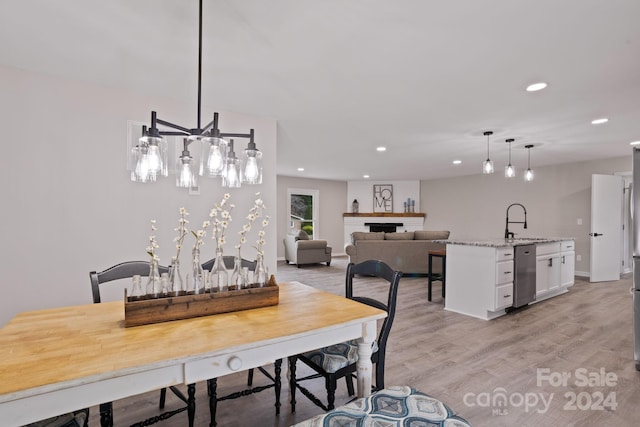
[200,65]
[488,134]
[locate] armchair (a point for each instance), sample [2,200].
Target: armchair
[299,249]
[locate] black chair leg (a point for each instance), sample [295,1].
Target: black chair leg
[250,378]
[350,388]
[278,383]
[212,386]
[292,382]
[163,397]
[191,403]
[331,392]
[106,414]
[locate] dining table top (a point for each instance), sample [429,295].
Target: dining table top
[60,347]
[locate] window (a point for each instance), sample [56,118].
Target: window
[303,211]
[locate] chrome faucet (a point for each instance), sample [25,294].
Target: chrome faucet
[508,234]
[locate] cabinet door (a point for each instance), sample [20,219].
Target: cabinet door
[542,275]
[547,273]
[567,268]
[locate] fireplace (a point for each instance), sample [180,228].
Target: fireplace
[387,227]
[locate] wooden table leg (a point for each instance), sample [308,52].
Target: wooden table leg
[364,365]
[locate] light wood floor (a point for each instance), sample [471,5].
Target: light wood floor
[462,360]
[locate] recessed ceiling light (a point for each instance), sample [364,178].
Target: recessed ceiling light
[300,169]
[365,176]
[536,87]
[381,149]
[599,121]
[457,162]
[634,143]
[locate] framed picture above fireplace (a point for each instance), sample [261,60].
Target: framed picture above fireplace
[383,198]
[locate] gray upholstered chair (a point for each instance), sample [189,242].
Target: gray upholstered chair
[299,249]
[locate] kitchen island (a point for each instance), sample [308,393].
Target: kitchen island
[480,273]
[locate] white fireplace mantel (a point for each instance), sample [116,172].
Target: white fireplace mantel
[355,221]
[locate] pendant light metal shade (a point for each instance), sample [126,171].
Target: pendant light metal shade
[487,166]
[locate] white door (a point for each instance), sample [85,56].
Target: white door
[606,227]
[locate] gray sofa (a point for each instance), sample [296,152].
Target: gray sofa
[299,250]
[406,252]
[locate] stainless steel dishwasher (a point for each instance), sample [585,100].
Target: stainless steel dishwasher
[524,279]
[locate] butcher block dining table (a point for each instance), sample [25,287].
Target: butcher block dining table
[58,360]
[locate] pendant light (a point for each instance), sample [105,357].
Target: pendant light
[487,166]
[509,171]
[528,175]
[149,157]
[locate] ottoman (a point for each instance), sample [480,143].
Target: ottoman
[400,406]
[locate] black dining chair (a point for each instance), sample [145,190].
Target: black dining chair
[123,271]
[339,360]
[275,379]
[229,262]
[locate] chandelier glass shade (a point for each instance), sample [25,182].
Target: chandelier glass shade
[149,157]
[487,166]
[214,154]
[185,176]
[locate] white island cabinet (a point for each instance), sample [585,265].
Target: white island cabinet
[480,274]
[555,268]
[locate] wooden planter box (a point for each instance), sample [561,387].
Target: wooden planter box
[142,312]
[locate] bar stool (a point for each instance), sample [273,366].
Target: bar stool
[442,254]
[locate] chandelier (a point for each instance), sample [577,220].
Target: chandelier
[217,157]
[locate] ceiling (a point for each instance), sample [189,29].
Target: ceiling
[424,78]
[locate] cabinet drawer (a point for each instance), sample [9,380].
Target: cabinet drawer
[547,248]
[504,254]
[504,272]
[567,246]
[504,296]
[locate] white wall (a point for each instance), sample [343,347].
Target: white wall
[331,194]
[475,206]
[363,192]
[68,204]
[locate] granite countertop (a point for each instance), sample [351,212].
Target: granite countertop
[502,242]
